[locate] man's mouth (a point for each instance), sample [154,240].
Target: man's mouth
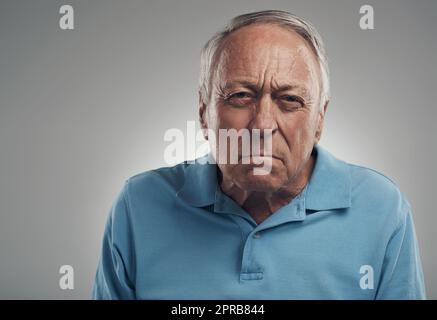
[259,158]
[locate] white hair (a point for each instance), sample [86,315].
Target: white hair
[306,30]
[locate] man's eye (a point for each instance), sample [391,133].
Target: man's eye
[241,95]
[240,98]
[292,101]
[291,98]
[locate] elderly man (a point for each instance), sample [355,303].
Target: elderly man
[312,227]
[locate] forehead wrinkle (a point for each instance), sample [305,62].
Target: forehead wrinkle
[271,71]
[294,62]
[261,64]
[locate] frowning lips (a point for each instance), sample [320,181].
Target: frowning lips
[259,157]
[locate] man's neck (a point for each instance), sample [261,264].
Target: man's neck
[260,205]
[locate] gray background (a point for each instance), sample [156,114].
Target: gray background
[81,110]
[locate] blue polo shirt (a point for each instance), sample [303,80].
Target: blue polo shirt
[173,234]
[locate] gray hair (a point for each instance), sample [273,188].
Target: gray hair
[305,29]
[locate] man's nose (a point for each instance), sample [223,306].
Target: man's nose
[264,117]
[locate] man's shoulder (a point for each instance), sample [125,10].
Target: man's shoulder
[171,177]
[372,179]
[376,189]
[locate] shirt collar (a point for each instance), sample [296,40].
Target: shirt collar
[329,186]
[330,183]
[200,182]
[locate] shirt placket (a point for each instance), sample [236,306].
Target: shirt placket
[252,234]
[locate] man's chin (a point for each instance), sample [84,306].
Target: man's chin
[261,183]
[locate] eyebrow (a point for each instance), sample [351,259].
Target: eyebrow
[243,83]
[254,87]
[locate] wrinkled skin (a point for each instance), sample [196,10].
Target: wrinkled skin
[266,77]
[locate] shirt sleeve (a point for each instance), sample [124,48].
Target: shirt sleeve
[114,276]
[402,274]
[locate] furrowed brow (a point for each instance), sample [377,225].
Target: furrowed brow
[232,84]
[297,88]
[254,87]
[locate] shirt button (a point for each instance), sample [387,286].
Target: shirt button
[257,235]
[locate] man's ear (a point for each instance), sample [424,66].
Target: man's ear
[320,122]
[202,117]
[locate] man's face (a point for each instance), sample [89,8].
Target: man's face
[266,77]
